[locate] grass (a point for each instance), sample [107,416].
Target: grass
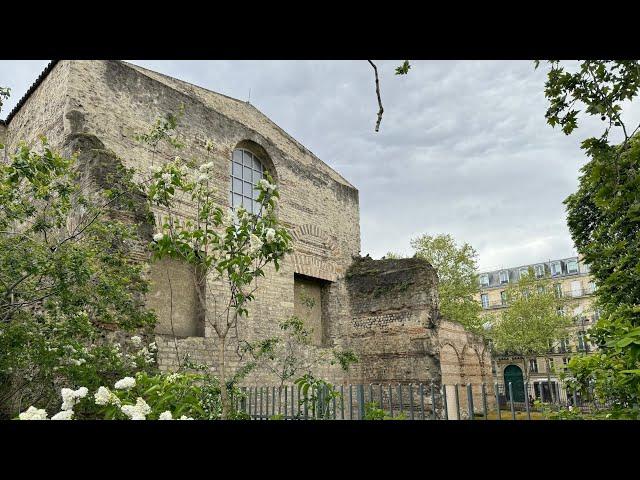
[506,415]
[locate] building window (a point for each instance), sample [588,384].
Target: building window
[556,269]
[564,345]
[540,289]
[591,287]
[565,362]
[504,276]
[485,300]
[246,172]
[484,280]
[539,271]
[533,365]
[558,289]
[572,266]
[503,297]
[576,288]
[582,343]
[524,271]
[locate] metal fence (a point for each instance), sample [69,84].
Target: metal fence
[406,401]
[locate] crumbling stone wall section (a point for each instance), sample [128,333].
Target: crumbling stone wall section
[393,321]
[464,359]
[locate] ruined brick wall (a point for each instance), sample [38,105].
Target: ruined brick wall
[464,359]
[392,321]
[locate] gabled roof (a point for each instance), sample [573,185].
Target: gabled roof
[233,108]
[32,88]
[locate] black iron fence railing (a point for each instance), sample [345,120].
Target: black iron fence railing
[409,401]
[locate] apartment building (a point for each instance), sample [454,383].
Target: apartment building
[571,280]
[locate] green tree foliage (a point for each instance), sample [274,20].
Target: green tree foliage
[534,320]
[458,281]
[604,219]
[65,279]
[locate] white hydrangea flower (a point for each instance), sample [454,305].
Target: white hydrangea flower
[166,177]
[71,397]
[136,340]
[143,406]
[33,413]
[158,236]
[125,384]
[184,417]
[156,169]
[133,412]
[102,396]
[63,415]
[270,234]
[166,416]
[153,347]
[77,362]
[173,377]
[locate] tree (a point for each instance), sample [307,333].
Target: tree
[65,279]
[533,321]
[229,249]
[604,219]
[456,266]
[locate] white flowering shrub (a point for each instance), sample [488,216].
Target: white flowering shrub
[65,278]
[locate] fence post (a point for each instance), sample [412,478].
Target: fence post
[411,401]
[361,401]
[433,402]
[350,402]
[526,400]
[342,402]
[400,399]
[470,401]
[497,392]
[422,400]
[444,399]
[380,395]
[513,410]
[457,402]
[484,401]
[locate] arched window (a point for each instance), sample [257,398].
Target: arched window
[246,172]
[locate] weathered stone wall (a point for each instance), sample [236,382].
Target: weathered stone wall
[115,101]
[43,112]
[464,359]
[392,321]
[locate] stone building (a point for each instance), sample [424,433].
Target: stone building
[571,281]
[384,310]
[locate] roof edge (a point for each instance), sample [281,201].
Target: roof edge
[31,89]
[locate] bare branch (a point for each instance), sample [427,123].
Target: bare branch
[381,111]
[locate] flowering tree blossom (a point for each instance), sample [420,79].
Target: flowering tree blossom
[230,248]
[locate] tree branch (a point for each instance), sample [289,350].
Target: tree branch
[381,111]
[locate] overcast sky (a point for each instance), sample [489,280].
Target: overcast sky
[463,147]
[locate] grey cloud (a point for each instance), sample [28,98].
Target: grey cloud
[463,146]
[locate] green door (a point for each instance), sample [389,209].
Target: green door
[513,374]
